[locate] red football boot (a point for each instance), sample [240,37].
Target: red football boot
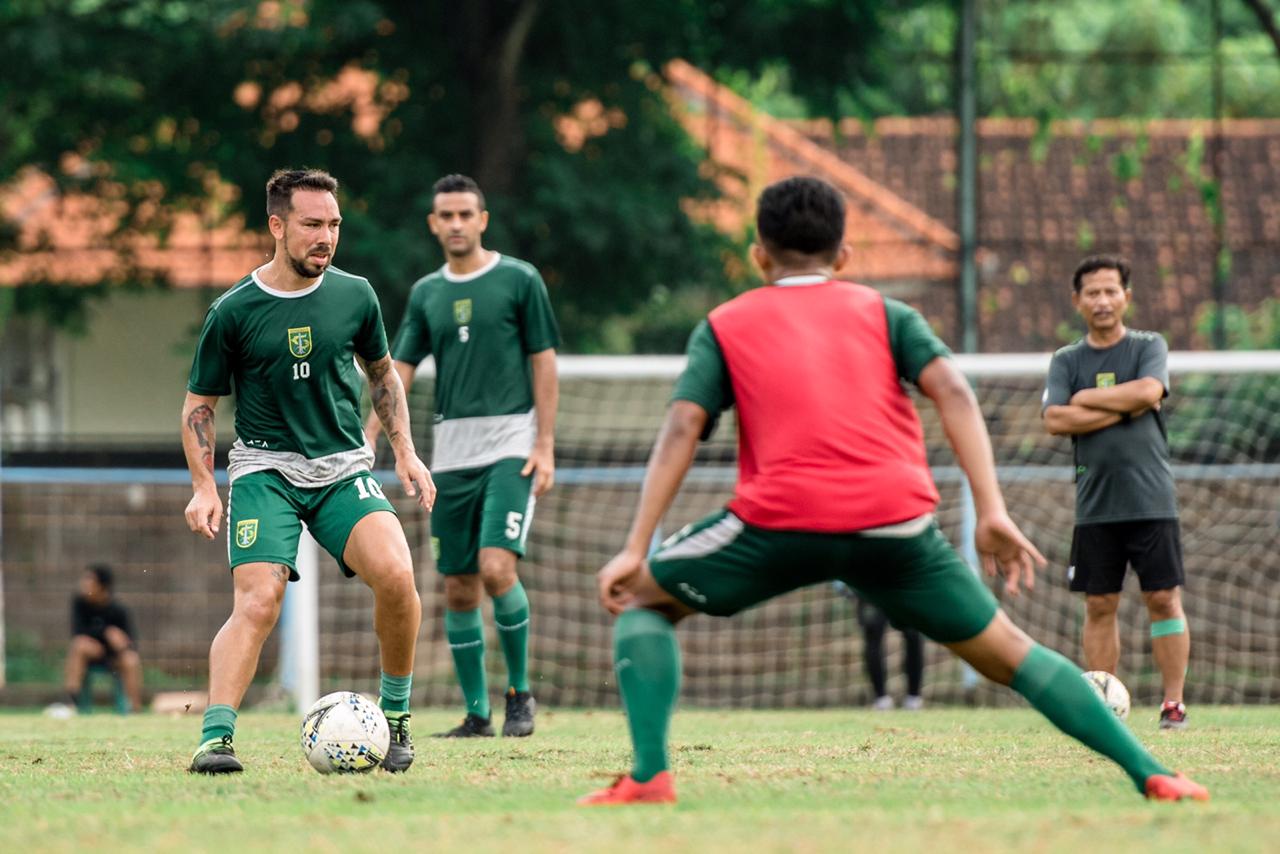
[1162,787]
[625,790]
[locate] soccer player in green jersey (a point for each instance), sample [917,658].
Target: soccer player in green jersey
[833,484]
[285,339]
[488,322]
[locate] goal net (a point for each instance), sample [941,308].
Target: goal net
[804,649]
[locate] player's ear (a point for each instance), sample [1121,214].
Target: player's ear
[431,223]
[275,223]
[760,257]
[484,220]
[843,256]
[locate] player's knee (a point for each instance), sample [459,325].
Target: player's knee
[1164,604]
[1102,607]
[462,592]
[402,588]
[497,571]
[260,609]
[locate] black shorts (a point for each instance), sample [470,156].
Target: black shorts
[1101,553]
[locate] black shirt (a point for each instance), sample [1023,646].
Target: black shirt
[91,619]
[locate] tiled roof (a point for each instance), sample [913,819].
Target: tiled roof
[893,238]
[1047,197]
[71,239]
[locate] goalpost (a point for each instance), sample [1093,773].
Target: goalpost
[804,649]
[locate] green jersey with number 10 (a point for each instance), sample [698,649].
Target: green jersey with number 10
[481,327]
[288,355]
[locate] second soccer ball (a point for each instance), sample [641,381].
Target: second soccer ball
[1111,690]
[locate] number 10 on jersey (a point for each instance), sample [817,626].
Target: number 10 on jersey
[301,370]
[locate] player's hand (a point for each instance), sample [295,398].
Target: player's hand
[204,512]
[1001,545]
[416,480]
[616,580]
[542,465]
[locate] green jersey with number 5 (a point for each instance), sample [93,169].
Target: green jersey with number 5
[288,356]
[481,327]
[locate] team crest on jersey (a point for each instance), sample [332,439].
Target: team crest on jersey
[1105,380]
[462,311]
[300,341]
[246,532]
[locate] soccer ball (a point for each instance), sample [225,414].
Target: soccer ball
[1112,691]
[344,733]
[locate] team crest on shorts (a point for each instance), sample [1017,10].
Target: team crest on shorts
[246,532]
[300,341]
[462,311]
[1105,380]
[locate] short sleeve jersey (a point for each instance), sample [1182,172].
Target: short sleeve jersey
[828,439]
[1122,472]
[481,328]
[288,356]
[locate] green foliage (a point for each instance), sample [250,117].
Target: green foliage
[166,100]
[1230,418]
[1140,59]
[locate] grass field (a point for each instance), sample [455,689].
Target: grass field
[939,780]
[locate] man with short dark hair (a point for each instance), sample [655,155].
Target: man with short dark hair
[833,484]
[487,320]
[102,632]
[286,338]
[1105,392]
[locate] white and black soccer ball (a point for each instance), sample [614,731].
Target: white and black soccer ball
[344,733]
[1112,691]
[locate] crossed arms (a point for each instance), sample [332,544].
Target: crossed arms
[1093,409]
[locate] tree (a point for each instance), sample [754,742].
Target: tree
[170,104]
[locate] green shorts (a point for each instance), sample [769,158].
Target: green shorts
[721,565]
[488,507]
[265,514]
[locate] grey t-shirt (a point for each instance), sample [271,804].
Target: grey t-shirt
[1122,471]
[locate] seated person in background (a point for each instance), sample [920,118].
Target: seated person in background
[102,632]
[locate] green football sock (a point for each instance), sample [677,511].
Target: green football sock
[646,658]
[219,720]
[393,692]
[511,614]
[465,632]
[1055,687]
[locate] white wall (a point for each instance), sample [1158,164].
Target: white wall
[126,377]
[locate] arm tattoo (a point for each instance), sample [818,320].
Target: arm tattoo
[386,394]
[200,422]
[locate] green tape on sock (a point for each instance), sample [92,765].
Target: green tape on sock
[219,720]
[393,692]
[1164,628]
